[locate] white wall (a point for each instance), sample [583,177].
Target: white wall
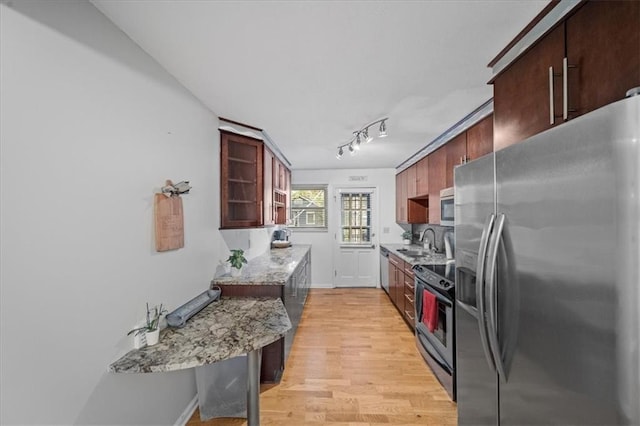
[91,126]
[323,242]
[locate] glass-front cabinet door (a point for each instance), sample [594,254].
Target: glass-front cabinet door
[241,182]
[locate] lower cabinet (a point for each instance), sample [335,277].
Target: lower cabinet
[409,296]
[294,295]
[296,292]
[401,288]
[395,265]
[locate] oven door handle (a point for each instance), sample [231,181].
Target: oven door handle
[480,292]
[494,343]
[426,287]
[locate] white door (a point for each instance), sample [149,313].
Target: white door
[356,256]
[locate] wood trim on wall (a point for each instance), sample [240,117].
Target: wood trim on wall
[522,33]
[239,124]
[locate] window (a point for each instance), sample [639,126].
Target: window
[355,217]
[309,207]
[311,218]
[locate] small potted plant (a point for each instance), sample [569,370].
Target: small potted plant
[237,260]
[406,237]
[152,327]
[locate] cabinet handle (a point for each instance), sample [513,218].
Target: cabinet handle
[409,315]
[408,298]
[552,114]
[565,88]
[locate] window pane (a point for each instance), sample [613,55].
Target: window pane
[356,217]
[345,217]
[308,197]
[308,207]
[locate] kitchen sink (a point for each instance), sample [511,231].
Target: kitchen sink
[414,253]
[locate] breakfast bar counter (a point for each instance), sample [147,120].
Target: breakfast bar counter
[225,329]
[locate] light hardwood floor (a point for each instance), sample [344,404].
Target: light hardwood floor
[353,362]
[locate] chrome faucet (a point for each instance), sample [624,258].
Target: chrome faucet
[433,242]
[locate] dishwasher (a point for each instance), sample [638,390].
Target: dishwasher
[384,269]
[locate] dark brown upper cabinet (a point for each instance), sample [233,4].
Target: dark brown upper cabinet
[241,183]
[480,139]
[418,187]
[588,60]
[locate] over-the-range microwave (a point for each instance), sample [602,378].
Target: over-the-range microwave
[447,207]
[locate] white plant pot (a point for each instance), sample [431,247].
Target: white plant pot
[235,272]
[153,337]
[406,241]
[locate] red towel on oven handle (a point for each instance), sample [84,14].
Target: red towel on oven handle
[429,310]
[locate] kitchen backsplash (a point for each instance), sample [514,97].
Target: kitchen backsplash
[417,230]
[254,241]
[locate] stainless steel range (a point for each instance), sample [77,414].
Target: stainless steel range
[434,298]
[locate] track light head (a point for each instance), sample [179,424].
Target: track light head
[366,136]
[383,129]
[357,145]
[339,154]
[352,150]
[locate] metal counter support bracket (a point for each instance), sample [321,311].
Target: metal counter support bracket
[253,387]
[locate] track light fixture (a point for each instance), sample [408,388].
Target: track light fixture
[383,130]
[362,134]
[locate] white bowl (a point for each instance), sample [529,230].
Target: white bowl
[280,243]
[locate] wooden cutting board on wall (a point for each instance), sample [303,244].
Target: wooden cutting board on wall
[169,222]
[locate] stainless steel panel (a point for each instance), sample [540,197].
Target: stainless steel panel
[474,202]
[626,157]
[384,269]
[568,272]
[476,383]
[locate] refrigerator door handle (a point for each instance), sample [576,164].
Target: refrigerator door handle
[480,292]
[494,343]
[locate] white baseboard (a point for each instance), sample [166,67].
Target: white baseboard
[328,285]
[188,412]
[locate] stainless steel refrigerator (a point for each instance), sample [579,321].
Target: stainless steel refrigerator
[547,285]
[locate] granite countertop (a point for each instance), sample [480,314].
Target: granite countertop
[274,267]
[224,329]
[427,259]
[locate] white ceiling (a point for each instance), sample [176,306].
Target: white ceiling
[310,73]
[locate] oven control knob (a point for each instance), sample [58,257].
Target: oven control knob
[444,283]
